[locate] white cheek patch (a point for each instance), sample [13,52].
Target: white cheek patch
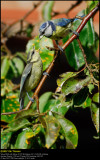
[48,31]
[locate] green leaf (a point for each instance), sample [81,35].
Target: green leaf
[31,43]
[81,96]
[6,86]
[10,104]
[89,40]
[87,103]
[58,106]
[96,75]
[91,4]
[22,56]
[87,35]
[52,130]
[37,128]
[29,30]
[43,100]
[17,124]
[90,55]
[47,9]
[26,139]
[17,66]
[73,85]
[91,87]
[95,97]
[26,114]
[46,55]
[52,103]
[69,131]
[63,78]
[96,44]
[4,67]
[91,33]
[5,139]
[95,116]
[74,54]
[42,120]
[22,139]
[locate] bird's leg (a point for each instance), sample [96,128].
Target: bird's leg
[80,17]
[31,99]
[45,73]
[74,32]
[59,46]
[37,102]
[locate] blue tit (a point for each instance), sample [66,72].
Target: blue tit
[31,75]
[57,29]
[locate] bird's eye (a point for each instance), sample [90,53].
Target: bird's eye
[32,53]
[43,32]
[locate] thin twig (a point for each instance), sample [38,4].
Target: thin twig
[86,64]
[22,19]
[7,50]
[73,6]
[9,113]
[66,12]
[16,87]
[37,102]
[52,48]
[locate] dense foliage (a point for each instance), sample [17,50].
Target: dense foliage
[76,88]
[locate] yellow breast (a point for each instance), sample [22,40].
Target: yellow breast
[60,33]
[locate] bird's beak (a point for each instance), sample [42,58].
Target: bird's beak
[40,36]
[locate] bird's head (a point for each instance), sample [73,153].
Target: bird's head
[33,55]
[30,55]
[46,29]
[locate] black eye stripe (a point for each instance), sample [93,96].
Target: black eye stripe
[32,54]
[52,25]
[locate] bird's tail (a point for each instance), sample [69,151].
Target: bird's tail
[21,103]
[21,100]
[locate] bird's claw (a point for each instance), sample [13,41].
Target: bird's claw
[31,99]
[45,73]
[76,33]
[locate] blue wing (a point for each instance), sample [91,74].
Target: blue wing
[63,22]
[25,74]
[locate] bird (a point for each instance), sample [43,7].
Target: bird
[31,75]
[57,29]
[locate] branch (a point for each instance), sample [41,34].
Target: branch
[83,23]
[16,87]
[85,20]
[66,12]
[22,19]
